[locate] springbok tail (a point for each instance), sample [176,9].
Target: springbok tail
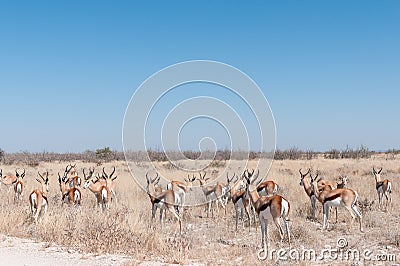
[285,209]
[104,194]
[276,187]
[77,196]
[355,200]
[389,188]
[34,201]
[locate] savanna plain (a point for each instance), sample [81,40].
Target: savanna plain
[127,227]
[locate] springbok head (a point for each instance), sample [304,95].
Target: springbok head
[377,175]
[67,171]
[18,175]
[151,183]
[252,180]
[89,175]
[63,182]
[105,176]
[189,182]
[231,180]
[44,181]
[72,169]
[343,179]
[302,176]
[314,181]
[202,180]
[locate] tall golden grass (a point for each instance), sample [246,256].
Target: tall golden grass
[127,228]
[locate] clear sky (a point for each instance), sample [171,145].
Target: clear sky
[329,69]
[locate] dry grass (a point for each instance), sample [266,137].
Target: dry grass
[126,228]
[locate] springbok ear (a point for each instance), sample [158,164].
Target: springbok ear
[115,177]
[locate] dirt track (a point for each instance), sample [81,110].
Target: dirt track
[17,251]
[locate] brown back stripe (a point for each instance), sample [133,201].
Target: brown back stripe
[264,205]
[156,200]
[237,196]
[333,197]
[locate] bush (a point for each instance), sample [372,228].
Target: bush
[104,154]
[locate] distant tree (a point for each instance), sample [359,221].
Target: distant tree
[104,154]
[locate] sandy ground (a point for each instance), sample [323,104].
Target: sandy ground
[18,251]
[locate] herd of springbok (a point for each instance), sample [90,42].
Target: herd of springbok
[70,184]
[247,191]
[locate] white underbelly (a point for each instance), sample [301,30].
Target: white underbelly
[263,193]
[266,214]
[160,204]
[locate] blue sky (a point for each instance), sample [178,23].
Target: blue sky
[330,70]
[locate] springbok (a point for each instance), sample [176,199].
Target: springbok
[8,180]
[167,199]
[322,185]
[383,188]
[343,182]
[340,197]
[182,188]
[307,188]
[226,195]
[19,185]
[226,188]
[267,207]
[38,198]
[212,193]
[97,182]
[73,195]
[102,193]
[108,180]
[240,201]
[71,176]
